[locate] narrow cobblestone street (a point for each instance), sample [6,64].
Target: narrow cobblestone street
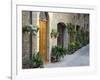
[79,58]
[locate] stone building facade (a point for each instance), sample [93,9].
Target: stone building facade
[52,21]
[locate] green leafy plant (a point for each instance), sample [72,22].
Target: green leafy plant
[36,61]
[77,45]
[85,38]
[71,31]
[54,33]
[30,28]
[82,37]
[73,46]
[71,28]
[57,53]
[78,38]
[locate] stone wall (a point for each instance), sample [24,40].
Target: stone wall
[25,37]
[34,37]
[75,18]
[54,18]
[61,17]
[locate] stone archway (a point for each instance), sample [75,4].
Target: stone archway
[61,29]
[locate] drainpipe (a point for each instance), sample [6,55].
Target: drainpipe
[30,37]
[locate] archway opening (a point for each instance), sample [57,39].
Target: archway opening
[61,30]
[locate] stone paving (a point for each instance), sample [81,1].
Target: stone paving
[79,58]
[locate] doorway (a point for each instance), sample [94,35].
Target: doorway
[60,40]
[43,23]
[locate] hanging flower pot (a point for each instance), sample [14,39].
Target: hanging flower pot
[51,34]
[29,28]
[54,33]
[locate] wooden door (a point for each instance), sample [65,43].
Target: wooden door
[43,39]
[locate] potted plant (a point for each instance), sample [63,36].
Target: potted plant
[77,45]
[54,33]
[36,61]
[29,28]
[71,47]
[57,53]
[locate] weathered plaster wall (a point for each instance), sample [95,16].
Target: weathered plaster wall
[82,20]
[25,37]
[57,18]
[34,37]
[54,19]
[74,18]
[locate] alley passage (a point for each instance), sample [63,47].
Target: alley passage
[79,58]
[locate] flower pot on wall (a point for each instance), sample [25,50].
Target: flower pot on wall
[29,28]
[54,33]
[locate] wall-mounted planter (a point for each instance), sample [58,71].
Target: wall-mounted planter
[31,28]
[54,33]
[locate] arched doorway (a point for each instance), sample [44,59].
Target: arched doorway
[61,29]
[43,23]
